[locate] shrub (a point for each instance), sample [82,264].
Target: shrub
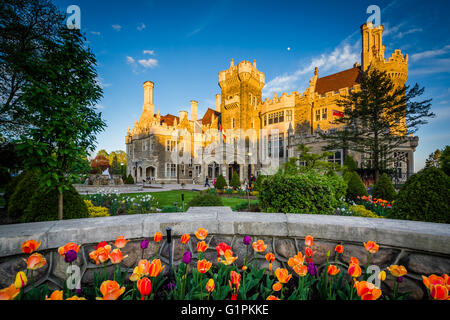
[27,185]
[444,160]
[350,164]
[355,188]
[384,189]
[229,191]
[235,182]
[338,184]
[220,182]
[424,197]
[129,180]
[11,187]
[305,193]
[206,200]
[258,182]
[96,211]
[170,209]
[5,177]
[361,211]
[44,205]
[212,191]
[254,193]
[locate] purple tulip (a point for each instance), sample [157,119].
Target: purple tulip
[79,291]
[312,269]
[187,257]
[70,256]
[171,286]
[144,244]
[247,240]
[400,279]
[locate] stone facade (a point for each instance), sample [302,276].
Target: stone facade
[244,130]
[421,247]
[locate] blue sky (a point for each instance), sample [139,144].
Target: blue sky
[182,45]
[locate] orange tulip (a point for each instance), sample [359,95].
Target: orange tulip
[30,246]
[185,238]
[296,260]
[309,252]
[110,290]
[79,298]
[270,257]
[301,270]
[155,268]
[367,290]
[354,260]
[339,248]
[259,246]
[272,298]
[116,256]
[309,240]
[354,270]
[282,275]
[121,242]
[157,237]
[56,295]
[9,293]
[202,246]
[277,286]
[244,268]
[397,271]
[371,246]
[433,280]
[69,246]
[201,234]
[210,285]
[203,266]
[447,280]
[144,286]
[35,261]
[101,254]
[439,292]
[333,270]
[235,279]
[228,258]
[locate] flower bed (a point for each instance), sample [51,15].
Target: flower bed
[196,278]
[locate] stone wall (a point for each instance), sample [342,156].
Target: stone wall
[421,247]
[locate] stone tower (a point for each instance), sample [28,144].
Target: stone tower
[241,86]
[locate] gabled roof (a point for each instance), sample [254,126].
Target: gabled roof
[207,118]
[169,119]
[344,79]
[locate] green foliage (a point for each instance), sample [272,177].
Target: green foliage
[310,192]
[258,182]
[424,197]
[28,184]
[384,189]
[350,164]
[170,209]
[361,211]
[444,160]
[44,205]
[129,180]
[220,182]
[205,200]
[5,177]
[338,184]
[314,161]
[355,188]
[96,211]
[290,167]
[235,182]
[11,186]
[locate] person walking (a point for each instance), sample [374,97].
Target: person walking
[207,182]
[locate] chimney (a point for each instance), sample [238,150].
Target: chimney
[194,105]
[182,115]
[148,97]
[218,102]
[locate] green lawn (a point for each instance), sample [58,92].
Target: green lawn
[167,198]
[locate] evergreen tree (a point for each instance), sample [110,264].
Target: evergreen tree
[355,187]
[379,116]
[444,160]
[220,182]
[384,189]
[235,182]
[433,159]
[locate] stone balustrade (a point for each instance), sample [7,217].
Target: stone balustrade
[423,248]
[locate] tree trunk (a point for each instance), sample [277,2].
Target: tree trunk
[60,206]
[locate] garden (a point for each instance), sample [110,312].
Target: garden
[200,278]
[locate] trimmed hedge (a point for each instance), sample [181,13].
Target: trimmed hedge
[235,182]
[44,206]
[27,185]
[220,182]
[206,200]
[355,187]
[424,197]
[384,189]
[305,193]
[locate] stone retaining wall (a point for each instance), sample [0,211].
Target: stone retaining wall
[423,248]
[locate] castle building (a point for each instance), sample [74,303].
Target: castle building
[245,133]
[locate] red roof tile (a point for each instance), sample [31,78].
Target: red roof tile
[208,116]
[334,82]
[169,119]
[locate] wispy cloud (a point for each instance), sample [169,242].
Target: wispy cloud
[195,31]
[116,27]
[148,63]
[430,53]
[130,60]
[341,58]
[151,52]
[97,33]
[140,27]
[400,35]
[102,83]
